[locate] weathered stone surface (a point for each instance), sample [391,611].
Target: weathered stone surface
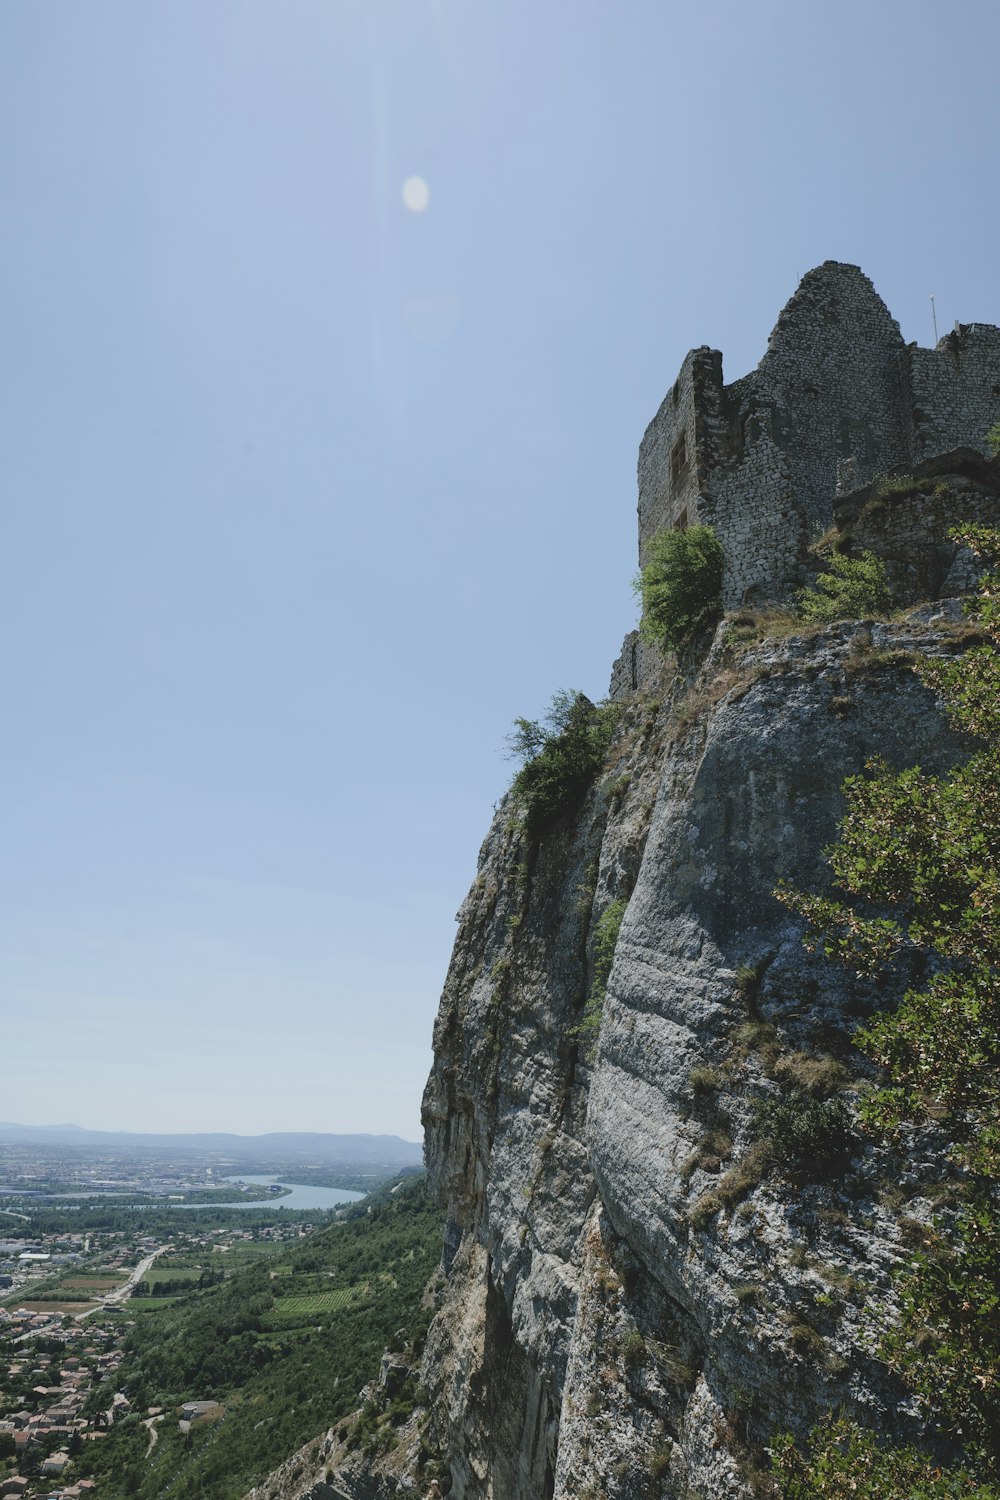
[602,1332]
[619,1337]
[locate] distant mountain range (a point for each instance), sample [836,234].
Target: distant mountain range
[290,1145]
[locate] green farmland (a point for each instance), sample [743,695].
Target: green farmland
[179,1278]
[299,1311]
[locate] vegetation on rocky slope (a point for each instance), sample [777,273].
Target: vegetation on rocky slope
[606,933]
[680,585]
[927,849]
[561,755]
[850,588]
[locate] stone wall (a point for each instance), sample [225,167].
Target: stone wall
[837,400]
[640,667]
[833,384]
[679,447]
[761,523]
[956,390]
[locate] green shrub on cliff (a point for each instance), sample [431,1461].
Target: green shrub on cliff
[845,1463]
[993,439]
[605,942]
[807,1139]
[680,585]
[853,588]
[562,754]
[927,849]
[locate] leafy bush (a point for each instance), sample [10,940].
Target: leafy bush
[845,1463]
[681,584]
[562,753]
[993,439]
[804,1137]
[853,588]
[947,1345]
[605,942]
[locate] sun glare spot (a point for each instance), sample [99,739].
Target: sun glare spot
[416,194]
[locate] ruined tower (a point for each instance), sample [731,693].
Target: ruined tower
[837,400]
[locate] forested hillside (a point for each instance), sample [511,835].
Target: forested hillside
[285,1346]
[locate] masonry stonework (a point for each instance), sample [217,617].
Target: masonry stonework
[837,401]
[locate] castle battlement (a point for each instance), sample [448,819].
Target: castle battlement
[837,400]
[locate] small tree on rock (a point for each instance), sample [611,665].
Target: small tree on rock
[680,585]
[853,588]
[562,753]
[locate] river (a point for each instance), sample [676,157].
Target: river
[299,1195]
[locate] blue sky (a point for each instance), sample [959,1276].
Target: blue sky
[307,496]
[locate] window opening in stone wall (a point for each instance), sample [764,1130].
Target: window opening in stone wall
[678,457]
[681,521]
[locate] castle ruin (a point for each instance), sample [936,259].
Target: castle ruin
[837,400]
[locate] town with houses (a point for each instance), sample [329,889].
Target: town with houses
[105,1238]
[59,1357]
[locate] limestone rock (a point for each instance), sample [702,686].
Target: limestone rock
[611,1329]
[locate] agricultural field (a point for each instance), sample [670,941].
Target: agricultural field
[71,1293]
[186,1278]
[92,1282]
[305,1309]
[248,1252]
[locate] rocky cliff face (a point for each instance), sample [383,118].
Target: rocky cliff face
[635,1301]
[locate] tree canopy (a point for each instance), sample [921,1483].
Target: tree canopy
[561,753]
[680,584]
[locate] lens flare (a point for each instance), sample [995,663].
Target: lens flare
[416,194]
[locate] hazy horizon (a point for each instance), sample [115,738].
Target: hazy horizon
[72,1127]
